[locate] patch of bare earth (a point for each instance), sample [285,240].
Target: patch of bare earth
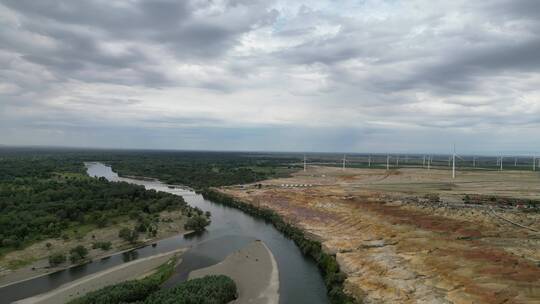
[399,247]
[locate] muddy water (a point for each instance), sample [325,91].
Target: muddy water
[230,230]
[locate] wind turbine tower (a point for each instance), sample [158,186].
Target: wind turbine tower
[369,161]
[454,163]
[304,163]
[387,162]
[344,159]
[534,163]
[501,163]
[454,155]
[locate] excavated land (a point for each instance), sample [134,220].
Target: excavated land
[417,236]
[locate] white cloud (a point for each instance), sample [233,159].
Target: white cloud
[373,67]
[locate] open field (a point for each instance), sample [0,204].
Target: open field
[417,236]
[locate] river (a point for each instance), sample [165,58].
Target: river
[230,230]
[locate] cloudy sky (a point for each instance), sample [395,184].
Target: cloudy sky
[352,76]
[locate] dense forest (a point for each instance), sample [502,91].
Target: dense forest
[42,195]
[204,169]
[45,191]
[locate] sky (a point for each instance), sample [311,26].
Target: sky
[335,76]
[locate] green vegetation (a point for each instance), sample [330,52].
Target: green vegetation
[78,254]
[327,263]
[202,169]
[48,196]
[102,245]
[197,223]
[207,290]
[128,235]
[129,291]
[56,259]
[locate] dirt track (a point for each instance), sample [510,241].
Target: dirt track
[408,236]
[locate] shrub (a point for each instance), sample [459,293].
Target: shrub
[77,254]
[56,259]
[208,290]
[101,245]
[196,223]
[129,235]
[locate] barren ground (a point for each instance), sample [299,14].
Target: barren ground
[417,236]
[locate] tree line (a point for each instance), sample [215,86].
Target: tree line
[329,267]
[43,196]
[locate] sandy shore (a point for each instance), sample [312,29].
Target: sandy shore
[253,269]
[124,272]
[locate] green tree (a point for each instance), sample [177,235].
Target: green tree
[56,259]
[78,254]
[129,235]
[196,223]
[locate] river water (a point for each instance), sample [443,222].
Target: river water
[230,230]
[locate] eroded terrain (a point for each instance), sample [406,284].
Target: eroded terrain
[417,236]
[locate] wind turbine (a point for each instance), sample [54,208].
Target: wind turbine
[369,161]
[501,163]
[454,155]
[534,163]
[387,162]
[304,163]
[344,160]
[474,161]
[429,163]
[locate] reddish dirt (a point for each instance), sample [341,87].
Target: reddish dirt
[397,248]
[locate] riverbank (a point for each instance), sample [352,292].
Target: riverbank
[34,258]
[326,262]
[128,271]
[253,269]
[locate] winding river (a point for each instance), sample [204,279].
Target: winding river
[230,230]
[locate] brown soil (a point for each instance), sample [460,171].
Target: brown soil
[408,236]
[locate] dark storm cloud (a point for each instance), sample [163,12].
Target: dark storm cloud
[128,18]
[461,72]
